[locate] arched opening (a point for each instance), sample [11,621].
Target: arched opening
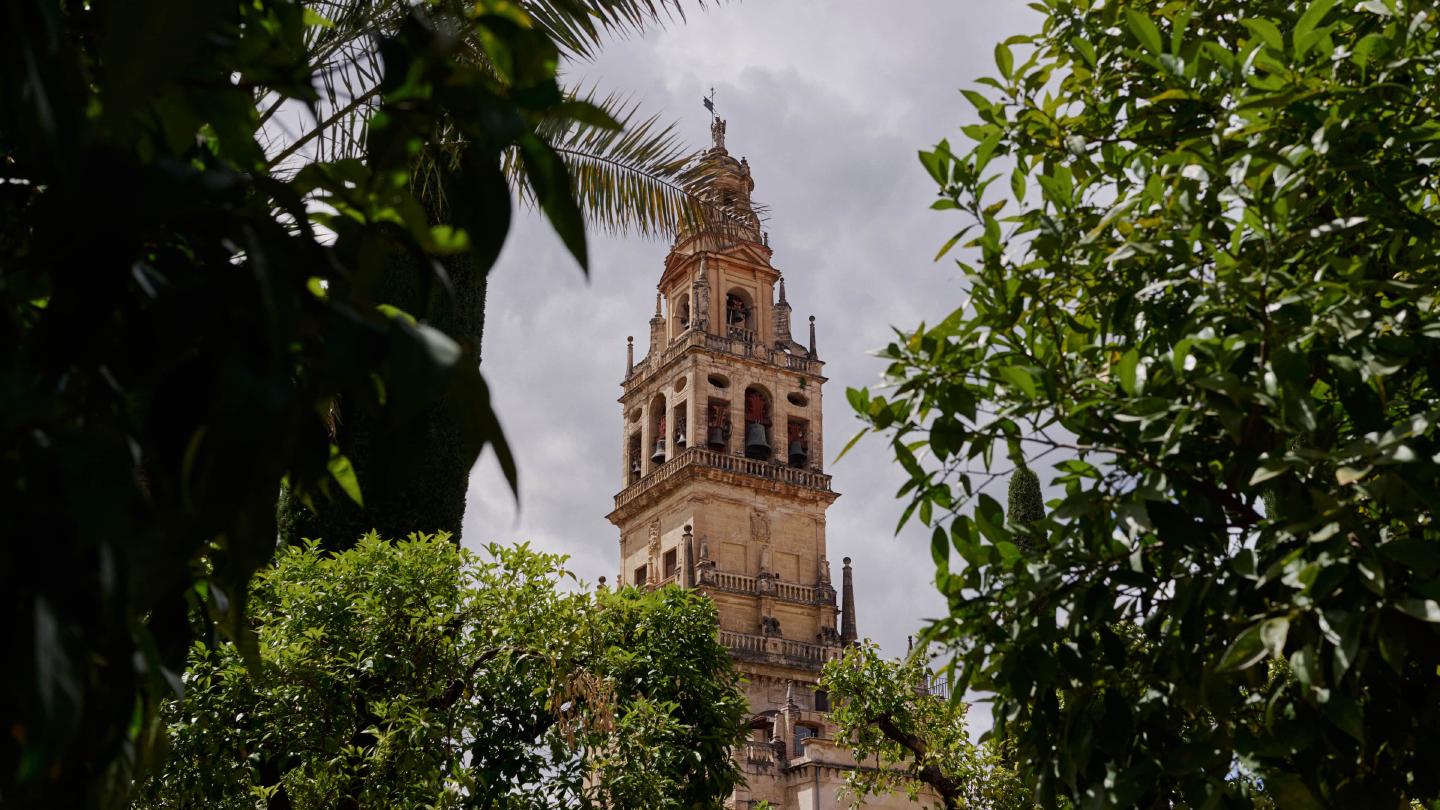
[717,425]
[757,423]
[681,310]
[632,458]
[740,315]
[797,443]
[657,429]
[678,419]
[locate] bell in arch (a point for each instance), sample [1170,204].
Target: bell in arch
[659,454]
[756,444]
[797,453]
[635,469]
[716,439]
[680,437]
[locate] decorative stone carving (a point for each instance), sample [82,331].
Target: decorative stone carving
[824,573]
[765,559]
[769,626]
[760,528]
[717,131]
[652,569]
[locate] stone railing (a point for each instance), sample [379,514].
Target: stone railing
[748,645]
[741,583]
[742,642]
[757,754]
[741,343]
[716,460]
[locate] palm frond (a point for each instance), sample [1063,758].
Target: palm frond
[642,178]
[579,27]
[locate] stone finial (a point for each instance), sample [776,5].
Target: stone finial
[629,354]
[657,305]
[813,355]
[687,544]
[848,634]
[782,318]
[601,586]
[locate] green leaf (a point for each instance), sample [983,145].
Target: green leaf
[1144,30]
[1127,372]
[1020,379]
[1305,34]
[1426,610]
[1004,60]
[344,474]
[1267,31]
[551,182]
[1247,650]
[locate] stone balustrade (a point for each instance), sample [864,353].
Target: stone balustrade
[788,591]
[717,460]
[739,342]
[747,645]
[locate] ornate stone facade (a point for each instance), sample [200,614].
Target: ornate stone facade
[724,489]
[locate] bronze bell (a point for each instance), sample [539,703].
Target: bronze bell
[659,455]
[716,439]
[756,445]
[680,437]
[797,454]
[635,470]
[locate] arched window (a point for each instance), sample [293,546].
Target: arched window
[657,429]
[682,313]
[632,459]
[717,424]
[757,423]
[740,315]
[797,442]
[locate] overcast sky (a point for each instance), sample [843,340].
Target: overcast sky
[830,102]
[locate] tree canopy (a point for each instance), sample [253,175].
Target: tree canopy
[915,737]
[1204,294]
[179,324]
[419,674]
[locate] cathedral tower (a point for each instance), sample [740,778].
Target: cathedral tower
[724,489]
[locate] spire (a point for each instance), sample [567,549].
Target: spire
[848,634]
[782,319]
[813,356]
[657,328]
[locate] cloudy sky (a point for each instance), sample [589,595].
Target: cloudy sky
[830,102]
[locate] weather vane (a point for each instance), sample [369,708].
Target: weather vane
[710,101]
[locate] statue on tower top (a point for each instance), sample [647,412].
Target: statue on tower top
[717,124]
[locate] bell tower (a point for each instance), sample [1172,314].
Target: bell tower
[723,487]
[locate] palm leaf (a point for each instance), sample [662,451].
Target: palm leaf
[641,178]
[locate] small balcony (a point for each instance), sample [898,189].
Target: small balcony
[692,457]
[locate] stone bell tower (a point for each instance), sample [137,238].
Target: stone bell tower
[723,487]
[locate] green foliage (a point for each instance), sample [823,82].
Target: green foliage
[416,673]
[1212,280]
[626,172]
[177,334]
[917,738]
